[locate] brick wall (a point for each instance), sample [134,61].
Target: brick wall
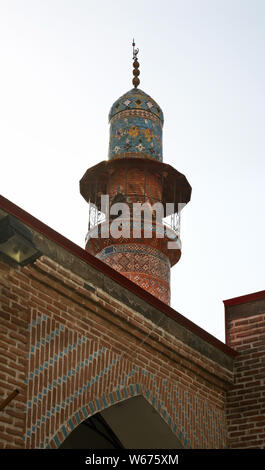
[245,329]
[72,350]
[14,319]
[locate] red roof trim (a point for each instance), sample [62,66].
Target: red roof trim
[243,299]
[76,250]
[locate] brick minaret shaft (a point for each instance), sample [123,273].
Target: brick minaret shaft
[135,173]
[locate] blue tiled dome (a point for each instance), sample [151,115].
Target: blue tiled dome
[136,123]
[136,99]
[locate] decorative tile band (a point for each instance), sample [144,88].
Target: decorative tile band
[135,249]
[136,112]
[136,99]
[135,134]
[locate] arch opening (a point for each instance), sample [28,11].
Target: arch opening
[130,424]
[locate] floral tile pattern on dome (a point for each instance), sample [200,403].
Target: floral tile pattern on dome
[135,134]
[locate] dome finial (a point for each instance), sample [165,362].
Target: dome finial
[136,71]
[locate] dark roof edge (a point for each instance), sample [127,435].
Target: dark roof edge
[76,250]
[243,299]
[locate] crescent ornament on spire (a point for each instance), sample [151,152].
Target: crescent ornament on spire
[135,51]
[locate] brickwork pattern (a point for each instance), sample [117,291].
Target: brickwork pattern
[14,318]
[143,265]
[77,351]
[147,268]
[140,261]
[136,185]
[246,400]
[80,377]
[154,285]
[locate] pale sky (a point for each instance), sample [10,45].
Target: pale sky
[63,63]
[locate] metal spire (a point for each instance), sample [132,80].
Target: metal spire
[136,71]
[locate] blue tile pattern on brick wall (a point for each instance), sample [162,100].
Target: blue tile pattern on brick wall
[183,435]
[187,408]
[71,373]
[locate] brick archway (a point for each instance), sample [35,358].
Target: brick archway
[110,399]
[72,376]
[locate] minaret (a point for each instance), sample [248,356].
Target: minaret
[140,246]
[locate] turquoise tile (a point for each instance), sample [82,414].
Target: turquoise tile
[57,441]
[105,402]
[77,418]
[71,424]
